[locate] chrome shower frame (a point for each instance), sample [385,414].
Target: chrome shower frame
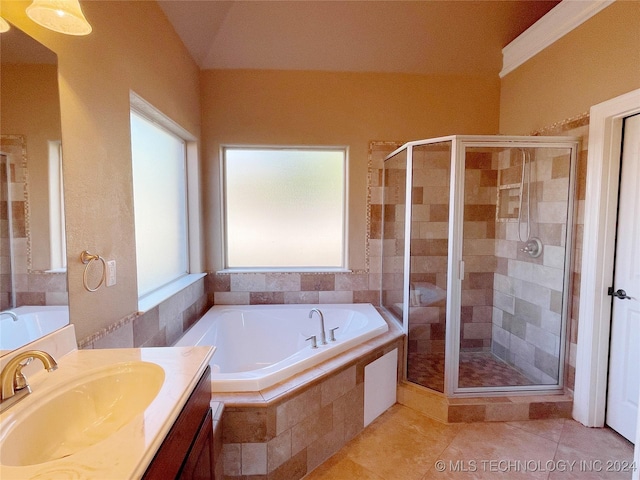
[455,267]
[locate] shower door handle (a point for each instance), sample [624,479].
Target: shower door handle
[621,294]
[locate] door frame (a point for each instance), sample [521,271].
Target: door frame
[600,214]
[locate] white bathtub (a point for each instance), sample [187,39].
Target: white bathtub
[33,322]
[261,345]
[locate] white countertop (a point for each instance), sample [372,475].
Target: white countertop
[128,452]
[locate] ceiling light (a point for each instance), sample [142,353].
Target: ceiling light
[4,26]
[64,16]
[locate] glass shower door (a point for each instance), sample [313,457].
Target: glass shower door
[393,235]
[431,177]
[514,288]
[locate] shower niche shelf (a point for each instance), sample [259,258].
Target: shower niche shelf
[508,203]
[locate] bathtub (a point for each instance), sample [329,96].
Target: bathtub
[33,322]
[261,345]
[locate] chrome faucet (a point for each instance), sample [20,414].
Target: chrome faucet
[11,314]
[14,383]
[323,335]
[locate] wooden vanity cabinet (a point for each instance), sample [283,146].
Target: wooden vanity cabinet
[187,451]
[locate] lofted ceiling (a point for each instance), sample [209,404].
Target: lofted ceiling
[420,36]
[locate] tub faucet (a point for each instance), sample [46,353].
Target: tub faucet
[14,383]
[323,335]
[11,314]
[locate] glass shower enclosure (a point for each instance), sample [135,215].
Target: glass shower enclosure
[476,260]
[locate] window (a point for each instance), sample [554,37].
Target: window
[57,239]
[160,204]
[285,208]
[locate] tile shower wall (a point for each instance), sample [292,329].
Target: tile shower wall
[478,250]
[577,127]
[527,311]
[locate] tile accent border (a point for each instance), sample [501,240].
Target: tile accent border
[560,128]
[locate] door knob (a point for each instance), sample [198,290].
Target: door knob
[621,294]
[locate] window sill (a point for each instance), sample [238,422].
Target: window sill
[57,270]
[284,270]
[155,298]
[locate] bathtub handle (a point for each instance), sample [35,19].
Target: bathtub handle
[332,334]
[314,342]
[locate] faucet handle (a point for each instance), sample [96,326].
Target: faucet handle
[332,334]
[19,380]
[314,342]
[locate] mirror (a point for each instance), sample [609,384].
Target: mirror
[33,252]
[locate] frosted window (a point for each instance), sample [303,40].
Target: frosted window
[159,195]
[284,207]
[57,239]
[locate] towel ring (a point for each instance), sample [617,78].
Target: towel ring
[88,258]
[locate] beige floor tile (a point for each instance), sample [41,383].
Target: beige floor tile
[595,443]
[496,450]
[580,465]
[550,428]
[401,444]
[340,467]
[401,419]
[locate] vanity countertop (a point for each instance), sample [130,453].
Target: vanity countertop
[128,452]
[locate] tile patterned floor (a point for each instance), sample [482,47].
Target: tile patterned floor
[403,444]
[476,369]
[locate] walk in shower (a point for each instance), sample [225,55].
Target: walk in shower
[476,244]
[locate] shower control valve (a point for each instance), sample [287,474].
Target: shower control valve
[533,247]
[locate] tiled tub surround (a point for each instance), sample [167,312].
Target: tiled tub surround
[285,431]
[262,345]
[292,287]
[160,326]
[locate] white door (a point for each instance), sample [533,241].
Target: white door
[624,360]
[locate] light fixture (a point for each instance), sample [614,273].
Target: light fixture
[64,16]
[4,26]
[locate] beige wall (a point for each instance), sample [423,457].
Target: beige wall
[96,73]
[597,61]
[331,108]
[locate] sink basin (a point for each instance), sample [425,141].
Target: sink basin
[85,411]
